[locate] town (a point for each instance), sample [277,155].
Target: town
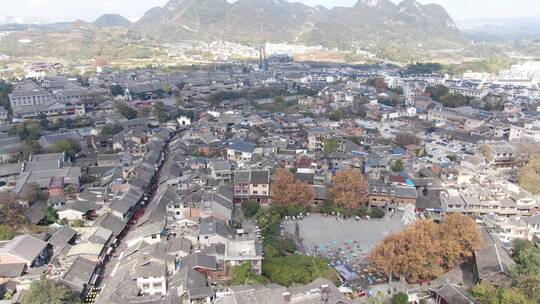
[270,182]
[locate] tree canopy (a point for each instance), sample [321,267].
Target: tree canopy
[404,139]
[70,147]
[47,291]
[350,189]
[126,111]
[243,275]
[117,90]
[288,192]
[529,177]
[296,269]
[426,250]
[331,145]
[111,129]
[442,94]
[6,232]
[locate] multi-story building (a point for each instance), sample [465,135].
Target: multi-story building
[317,138]
[529,132]
[29,94]
[251,184]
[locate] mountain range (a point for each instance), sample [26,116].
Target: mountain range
[369,22]
[403,31]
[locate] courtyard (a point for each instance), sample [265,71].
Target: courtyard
[342,241]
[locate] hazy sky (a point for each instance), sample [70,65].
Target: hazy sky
[90,9]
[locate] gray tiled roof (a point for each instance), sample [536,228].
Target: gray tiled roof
[25,247]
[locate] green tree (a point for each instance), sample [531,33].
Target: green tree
[527,257]
[485,294]
[436,92]
[28,130]
[111,129]
[116,90]
[336,115]
[160,112]
[454,100]
[250,208]
[5,89]
[47,291]
[50,215]
[126,111]
[400,298]
[528,176]
[296,269]
[331,145]
[398,166]
[30,147]
[530,287]
[243,275]
[70,147]
[6,232]
[78,223]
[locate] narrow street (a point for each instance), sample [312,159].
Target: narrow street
[110,263]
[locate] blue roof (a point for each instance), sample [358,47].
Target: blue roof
[242,146]
[398,151]
[409,182]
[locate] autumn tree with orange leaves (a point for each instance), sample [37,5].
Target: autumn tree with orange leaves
[426,250]
[288,192]
[350,189]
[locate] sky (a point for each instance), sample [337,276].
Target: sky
[68,10]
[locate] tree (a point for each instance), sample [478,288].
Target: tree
[350,189]
[336,115]
[436,92]
[296,269]
[243,275]
[530,287]
[6,232]
[70,147]
[160,112]
[32,193]
[117,90]
[50,215]
[529,176]
[126,111]
[426,250]
[5,89]
[167,88]
[48,291]
[398,166]
[376,213]
[144,112]
[460,238]
[11,211]
[28,130]
[111,129]
[331,145]
[527,258]
[485,150]
[78,223]
[404,139]
[286,191]
[454,100]
[485,294]
[400,298]
[250,208]
[30,147]
[489,294]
